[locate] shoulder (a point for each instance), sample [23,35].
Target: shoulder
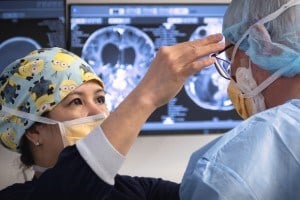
[143,180]
[252,133]
[146,188]
[17,191]
[246,155]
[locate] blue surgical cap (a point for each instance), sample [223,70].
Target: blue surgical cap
[268,31]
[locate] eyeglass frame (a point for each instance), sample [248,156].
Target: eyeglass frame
[224,73]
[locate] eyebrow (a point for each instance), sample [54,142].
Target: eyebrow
[80,93]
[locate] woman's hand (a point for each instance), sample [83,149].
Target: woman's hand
[174,64]
[164,79]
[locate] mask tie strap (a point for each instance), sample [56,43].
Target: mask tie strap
[265,83]
[26,115]
[85,119]
[264,20]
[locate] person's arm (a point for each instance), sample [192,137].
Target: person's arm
[104,148]
[164,79]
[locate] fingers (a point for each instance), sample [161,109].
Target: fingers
[187,52]
[198,65]
[208,45]
[215,38]
[172,65]
[189,56]
[208,49]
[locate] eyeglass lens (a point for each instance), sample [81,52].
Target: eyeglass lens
[222,64]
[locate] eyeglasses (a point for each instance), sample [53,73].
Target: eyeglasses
[222,64]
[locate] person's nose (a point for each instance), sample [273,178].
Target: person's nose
[94,109]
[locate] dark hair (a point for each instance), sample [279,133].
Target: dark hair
[24,146]
[26,155]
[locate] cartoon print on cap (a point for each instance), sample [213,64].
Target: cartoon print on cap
[27,69]
[62,61]
[66,87]
[86,73]
[9,91]
[42,94]
[8,138]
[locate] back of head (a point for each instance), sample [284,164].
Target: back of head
[34,85]
[269,32]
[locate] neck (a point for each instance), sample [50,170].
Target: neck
[38,170]
[43,157]
[273,94]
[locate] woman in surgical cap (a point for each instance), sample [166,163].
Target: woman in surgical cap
[53,112]
[260,158]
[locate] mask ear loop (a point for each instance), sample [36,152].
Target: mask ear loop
[62,130]
[265,83]
[240,82]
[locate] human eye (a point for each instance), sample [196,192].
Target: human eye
[76,101]
[101,99]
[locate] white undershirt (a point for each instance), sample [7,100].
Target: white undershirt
[100,155]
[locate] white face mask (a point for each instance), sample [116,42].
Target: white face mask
[71,131]
[238,92]
[247,84]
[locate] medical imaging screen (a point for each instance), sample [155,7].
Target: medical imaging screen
[120,41]
[29,25]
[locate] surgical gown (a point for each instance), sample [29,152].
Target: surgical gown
[259,159]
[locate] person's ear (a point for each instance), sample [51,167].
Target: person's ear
[33,135]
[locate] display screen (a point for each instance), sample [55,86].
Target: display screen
[29,25]
[120,40]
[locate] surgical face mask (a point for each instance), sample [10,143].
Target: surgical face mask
[76,129]
[71,131]
[246,104]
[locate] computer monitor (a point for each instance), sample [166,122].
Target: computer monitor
[29,25]
[120,40]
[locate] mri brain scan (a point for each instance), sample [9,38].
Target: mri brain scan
[120,55]
[207,88]
[14,48]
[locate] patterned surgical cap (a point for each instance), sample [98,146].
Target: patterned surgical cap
[35,84]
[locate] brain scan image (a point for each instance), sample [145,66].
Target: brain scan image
[14,48]
[120,55]
[207,88]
